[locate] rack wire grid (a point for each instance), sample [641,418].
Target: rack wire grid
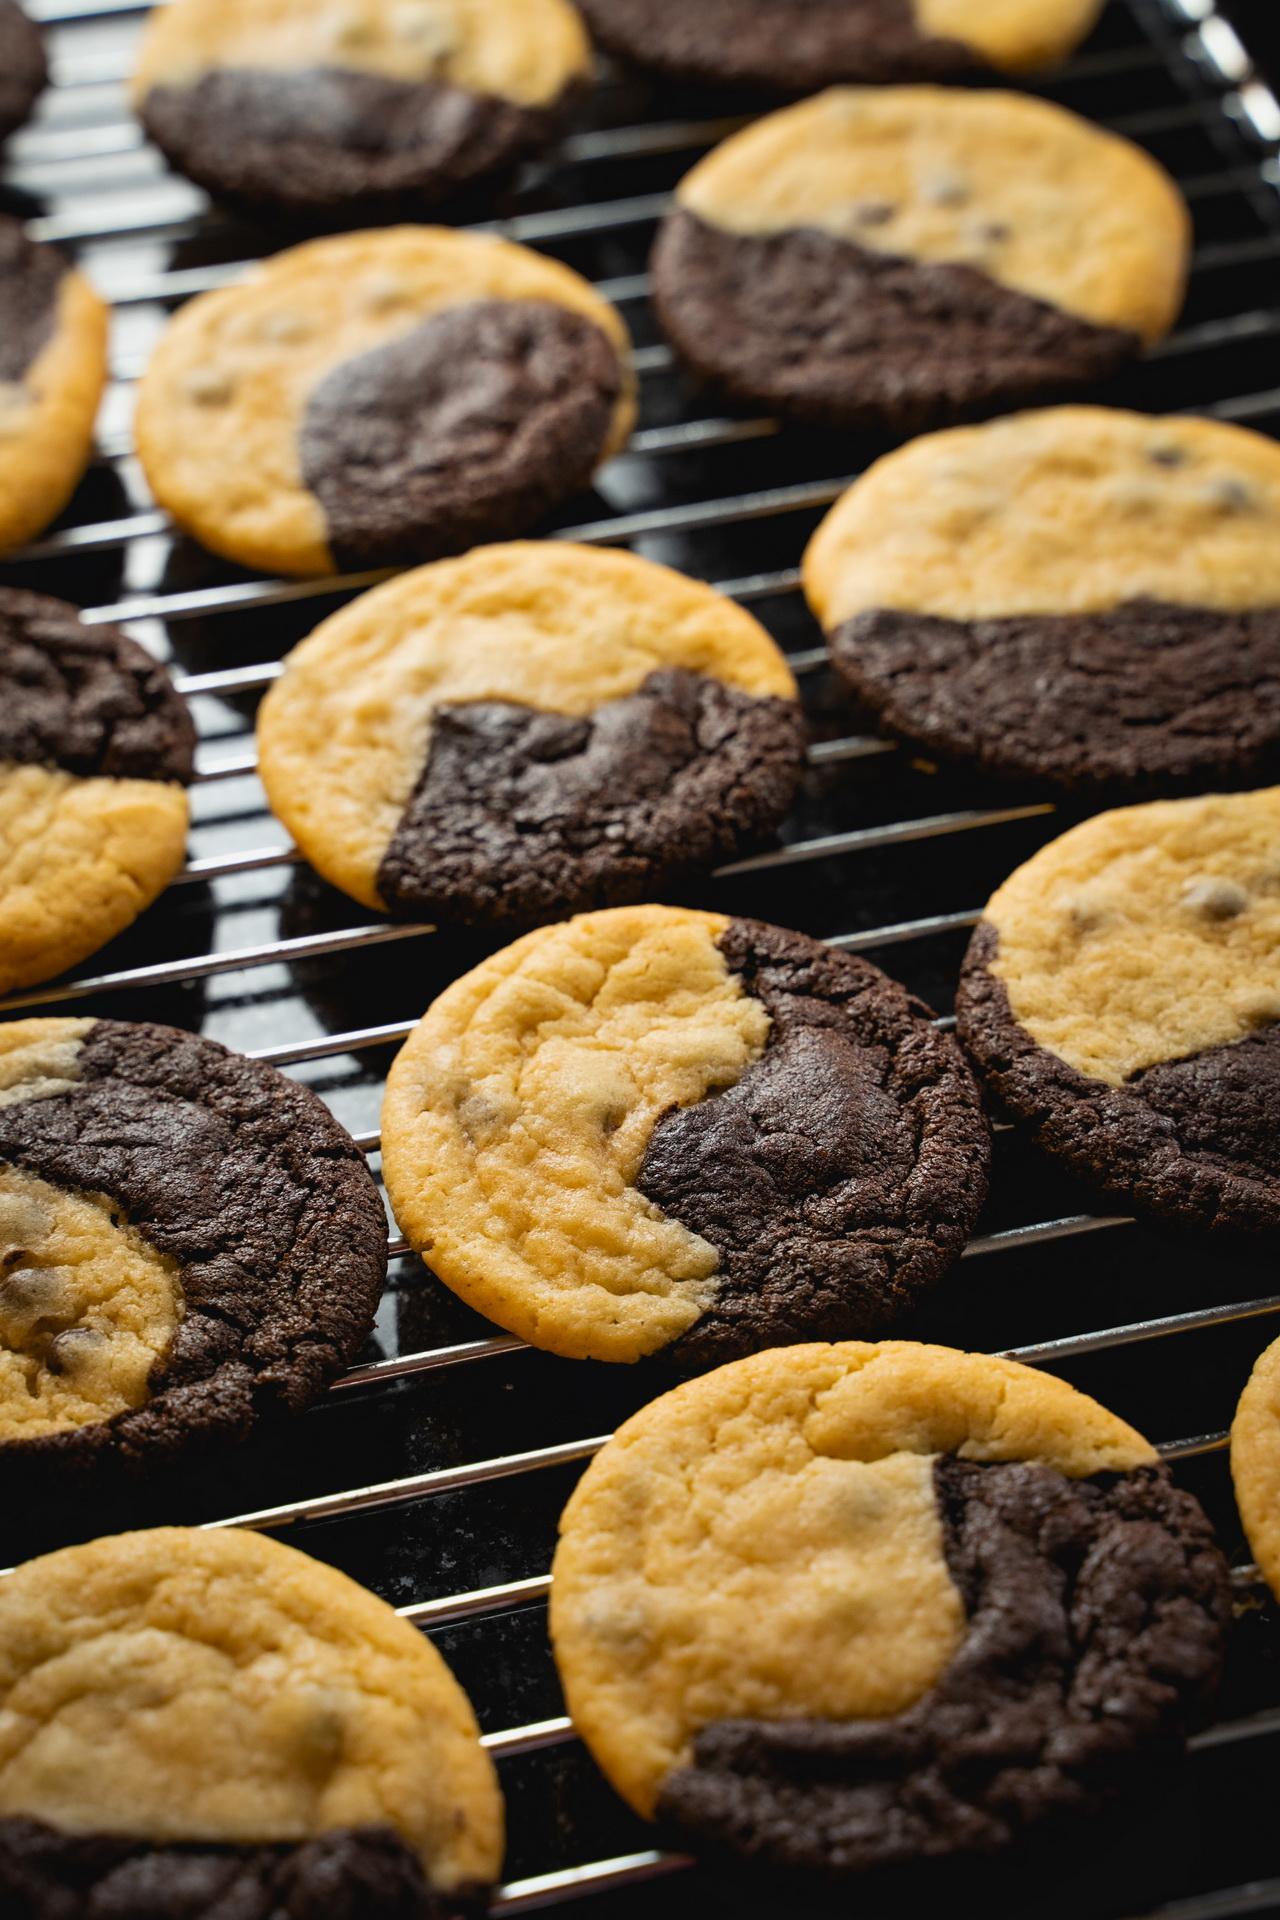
[435,1471]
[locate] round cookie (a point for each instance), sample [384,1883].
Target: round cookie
[213,1723]
[795,46]
[906,256]
[1083,597]
[53,366]
[24,70]
[362,110]
[530,730]
[1121,995]
[652,1131]
[1255,1463]
[96,752]
[849,1607]
[188,1241]
[383,398]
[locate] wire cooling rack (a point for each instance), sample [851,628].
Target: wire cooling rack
[435,1470]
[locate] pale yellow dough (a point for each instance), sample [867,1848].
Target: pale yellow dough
[1255,1463]
[47,418]
[765,1541]
[1018,35]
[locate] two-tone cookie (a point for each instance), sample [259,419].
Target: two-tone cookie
[1083,597]
[1255,1463]
[24,68]
[906,256]
[657,1131]
[1122,998]
[842,1608]
[96,752]
[53,366]
[796,46]
[528,731]
[188,1241]
[362,110]
[383,398]
[215,1726]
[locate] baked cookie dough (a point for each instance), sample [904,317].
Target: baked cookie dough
[1082,597]
[1122,997]
[906,256]
[383,398]
[53,366]
[848,1607]
[188,1241]
[656,1131]
[364,109]
[1255,1463]
[213,1724]
[96,752]
[530,730]
[795,46]
[24,70]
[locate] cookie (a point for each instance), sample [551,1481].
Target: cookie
[530,730]
[53,367]
[1121,996]
[1081,597]
[383,398]
[213,1724]
[838,1608]
[906,256]
[188,1241]
[656,1131]
[96,752]
[363,110]
[795,46]
[1255,1463]
[24,70]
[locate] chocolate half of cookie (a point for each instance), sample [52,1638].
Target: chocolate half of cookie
[24,70]
[31,277]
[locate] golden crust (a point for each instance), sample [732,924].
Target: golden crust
[1255,1463]
[1016,35]
[47,420]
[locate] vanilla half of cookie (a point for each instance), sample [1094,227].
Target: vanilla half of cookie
[529,730]
[1080,595]
[1122,996]
[843,1607]
[1255,1463]
[337,1768]
[652,1130]
[900,256]
[382,398]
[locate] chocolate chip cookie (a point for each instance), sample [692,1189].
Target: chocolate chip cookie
[189,1241]
[902,257]
[1081,597]
[53,366]
[1122,998]
[24,70]
[1255,1463]
[361,110]
[839,1608]
[536,728]
[214,1725]
[652,1131]
[383,398]
[96,753]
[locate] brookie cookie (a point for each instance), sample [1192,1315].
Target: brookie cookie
[1255,1463]
[1081,597]
[188,1240]
[383,398]
[527,731]
[24,70]
[795,46]
[657,1131]
[53,366]
[908,256]
[357,111]
[212,1726]
[1122,997]
[96,752]
[845,1608]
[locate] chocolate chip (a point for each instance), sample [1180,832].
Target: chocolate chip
[1166,455]
[871,213]
[209,386]
[1215,899]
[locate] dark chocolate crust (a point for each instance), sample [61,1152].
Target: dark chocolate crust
[86,699]
[353,1873]
[1141,700]
[1097,1616]
[522,816]
[31,277]
[784,46]
[24,71]
[248,1182]
[471,427]
[1190,1142]
[841,1175]
[320,142]
[820,329]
